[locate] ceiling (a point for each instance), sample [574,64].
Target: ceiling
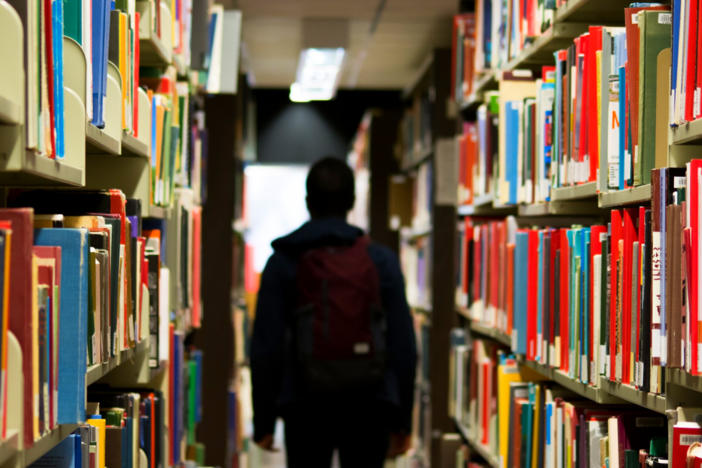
[407,32]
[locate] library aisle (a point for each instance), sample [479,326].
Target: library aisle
[521,241]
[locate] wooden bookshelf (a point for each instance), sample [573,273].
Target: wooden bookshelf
[9,447]
[46,443]
[574,192]
[98,371]
[628,393]
[490,332]
[540,51]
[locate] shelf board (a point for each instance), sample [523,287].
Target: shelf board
[486,205]
[684,379]
[560,208]
[690,133]
[98,371]
[159,212]
[418,159]
[574,192]
[591,11]
[418,76]
[10,112]
[179,62]
[133,147]
[490,332]
[43,445]
[598,395]
[152,53]
[632,395]
[422,309]
[633,196]
[476,446]
[540,52]
[464,311]
[9,446]
[38,171]
[99,142]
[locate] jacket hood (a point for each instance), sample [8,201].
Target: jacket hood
[317,232]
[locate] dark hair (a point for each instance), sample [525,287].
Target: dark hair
[330,187]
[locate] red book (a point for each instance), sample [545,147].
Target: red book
[20,308]
[693,176]
[565,299]
[684,435]
[53,253]
[467,244]
[462,164]
[46,277]
[553,307]
[691,66]
[595,46]
[471,156]
[477,264]
[532,293]
[639,289]
[616,236]
[697,112]
[628,301]
[486,403]
[692,306]
[583,145]
[510,288]
[494,269]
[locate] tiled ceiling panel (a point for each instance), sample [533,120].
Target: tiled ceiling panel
[408,31]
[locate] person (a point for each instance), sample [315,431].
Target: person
[364,424]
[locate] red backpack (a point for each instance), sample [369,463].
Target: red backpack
[340,322]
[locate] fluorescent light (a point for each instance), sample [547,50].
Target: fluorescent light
[317,75]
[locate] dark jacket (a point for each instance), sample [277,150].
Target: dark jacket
[274,379]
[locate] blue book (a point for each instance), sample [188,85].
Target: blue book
[78,450]
[622,127]
[57,38]
[101,32]
[584,316]
[63,455]
[521,271]
[73,323]
[512,120]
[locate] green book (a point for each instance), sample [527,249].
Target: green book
[73,20]
[655,37]
[631,458]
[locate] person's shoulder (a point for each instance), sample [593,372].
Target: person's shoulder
[383,256]
[280,263]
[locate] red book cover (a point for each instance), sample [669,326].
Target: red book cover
[639,275]
[595,249]
[46,277]
[20,309]
[454,36]
[532,292]
[691,66]
[494,268]
[502,268]
[53,253]
[462,170]
[694,175]
[144,265]
[592,79]
[684,435]
[477,264]
[548,73]
[553,307]
[583,146]
[692,315]
[467,244]
[135,98]
[486,403]
[49,44]
[697,112]
[471,155]
[616,236]
[565,299]
[630,236]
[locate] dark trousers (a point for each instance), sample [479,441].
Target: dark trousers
[360,431]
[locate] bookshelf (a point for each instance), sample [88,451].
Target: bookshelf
[152,357]
[540,51]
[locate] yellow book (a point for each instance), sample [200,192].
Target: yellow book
[47,221]
[100,424]
[88,222]
[123,65]
[508,371]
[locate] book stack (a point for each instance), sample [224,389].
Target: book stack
[416,130]
[504,29]
[463,57]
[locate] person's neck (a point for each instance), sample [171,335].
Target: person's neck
[331,217]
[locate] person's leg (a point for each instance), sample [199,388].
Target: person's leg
[309,440]
[364,435]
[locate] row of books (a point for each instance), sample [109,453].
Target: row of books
[618,300]
[86,260]
[606,87]
[526,422]
[686,71]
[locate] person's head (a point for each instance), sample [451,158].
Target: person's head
[330,189]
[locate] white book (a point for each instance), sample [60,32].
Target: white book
[613,434]
[596,310]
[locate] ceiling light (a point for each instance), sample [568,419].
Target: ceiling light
[317,74]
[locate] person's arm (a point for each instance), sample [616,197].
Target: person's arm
[401,340]
[267,365]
